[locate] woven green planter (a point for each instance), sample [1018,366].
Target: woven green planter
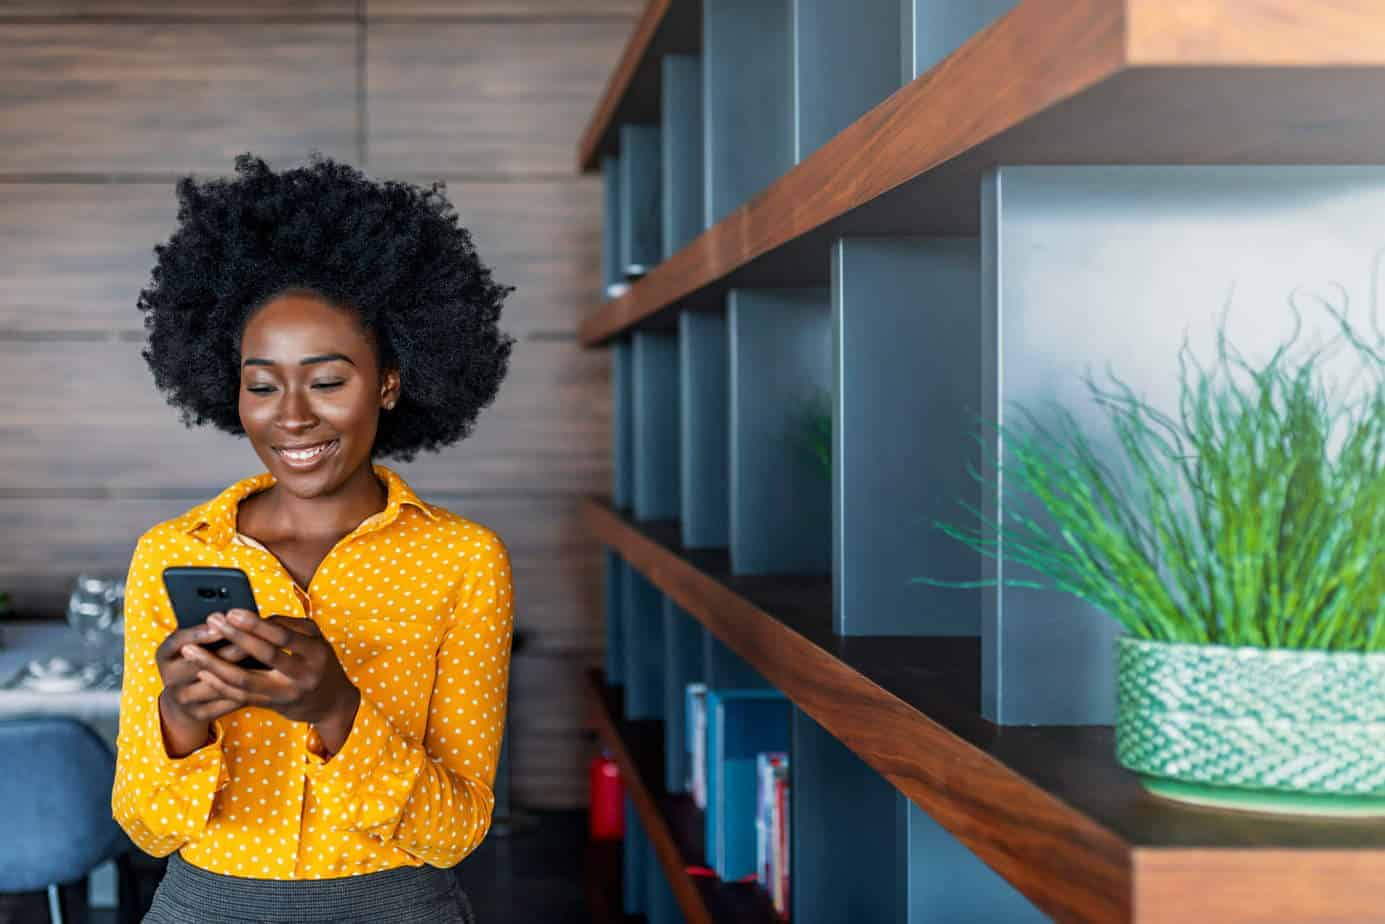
[1251,728]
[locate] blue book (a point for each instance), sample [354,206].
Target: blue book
[740,725]
[695,729]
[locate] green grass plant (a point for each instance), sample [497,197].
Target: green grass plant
[1254,516]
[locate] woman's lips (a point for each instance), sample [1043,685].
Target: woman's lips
[302,460]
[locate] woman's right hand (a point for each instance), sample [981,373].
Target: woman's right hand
[188,705]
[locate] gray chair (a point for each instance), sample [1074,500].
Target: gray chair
[55,785]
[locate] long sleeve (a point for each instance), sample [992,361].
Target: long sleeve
[162,803]
[434,800]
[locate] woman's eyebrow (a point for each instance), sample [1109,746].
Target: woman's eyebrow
[305,361]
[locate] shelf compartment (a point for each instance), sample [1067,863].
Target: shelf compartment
[1045,807]
[642,643]
[1095,268]
[843,59]
[641,191]
[704,381]
[780,343]
[1050,82]
[673,824]
[667,27]
[680,120]
[905,347]
[683,664]
[654,372]
[747,107]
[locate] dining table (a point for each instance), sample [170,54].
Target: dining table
[51,690]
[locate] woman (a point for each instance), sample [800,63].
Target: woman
[331,320]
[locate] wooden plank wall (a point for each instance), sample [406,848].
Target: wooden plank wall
[104,103]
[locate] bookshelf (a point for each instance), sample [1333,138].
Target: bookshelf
[987,197]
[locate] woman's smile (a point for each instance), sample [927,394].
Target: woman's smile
[305,458]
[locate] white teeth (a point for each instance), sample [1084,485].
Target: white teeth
[304,455]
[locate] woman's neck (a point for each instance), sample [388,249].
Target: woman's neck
[277,513]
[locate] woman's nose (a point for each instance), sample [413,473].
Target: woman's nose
[295,411]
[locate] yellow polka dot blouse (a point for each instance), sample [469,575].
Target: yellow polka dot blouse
[417,603]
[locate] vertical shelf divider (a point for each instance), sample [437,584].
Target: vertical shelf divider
[642,628]
[680,125]
[654,367]
[612,269]
[780,344]
[746,102]
[930,30]
[614,568]
[682,666]
[704,436]
[843,63]
[623,424]
[641,228]
[906,347]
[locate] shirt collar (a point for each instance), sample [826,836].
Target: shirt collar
[218,515]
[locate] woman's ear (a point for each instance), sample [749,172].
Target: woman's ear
[389,389]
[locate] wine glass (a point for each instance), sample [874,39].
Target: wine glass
[93,610]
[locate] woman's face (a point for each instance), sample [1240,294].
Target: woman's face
[311,391]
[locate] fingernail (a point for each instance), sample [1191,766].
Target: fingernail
[190,652]
[216,620]
[241,619]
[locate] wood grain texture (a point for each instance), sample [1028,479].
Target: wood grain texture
[1264,887]
[1046,807]
[1255,33]
[502,9]
[254,10]
[77,254]
[547,433]
[159,98]
[503,98]
[1087,81]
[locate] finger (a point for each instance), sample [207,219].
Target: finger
[214,709]
[247,622]
[235,676]
[279,650]
[297,624]
[194,635]
[195,693]
[227,691]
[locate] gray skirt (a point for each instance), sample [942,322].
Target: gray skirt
[408,895]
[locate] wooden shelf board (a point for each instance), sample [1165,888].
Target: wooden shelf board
[1047,808]
[1051,82]
[673,822]
[632,94]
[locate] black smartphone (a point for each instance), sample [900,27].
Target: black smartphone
[196,593]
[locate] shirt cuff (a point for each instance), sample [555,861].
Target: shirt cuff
[365,786]
[180,801]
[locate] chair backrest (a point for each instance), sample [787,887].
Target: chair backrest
[55,801]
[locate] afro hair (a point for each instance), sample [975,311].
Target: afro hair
[391,252]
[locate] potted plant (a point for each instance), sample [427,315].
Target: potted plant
[1241,544]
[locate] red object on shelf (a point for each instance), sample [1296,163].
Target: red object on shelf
[607,816]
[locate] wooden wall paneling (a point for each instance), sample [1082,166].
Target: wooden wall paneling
[642,612]
[164,10]
[542,236]
[746,101]
[930,30]
[614,596]
[625,10]
[547,431]
[503,98]
[654,373]
[681,170]
[682,666]
[703,407]
[77,254]
[641,228]
[136,98]
[906,340]
[549,771]
[781,377]
[843,60]
[612,273]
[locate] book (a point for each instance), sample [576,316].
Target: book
[740,724]
[695,726]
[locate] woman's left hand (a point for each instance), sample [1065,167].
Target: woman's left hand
[305,682]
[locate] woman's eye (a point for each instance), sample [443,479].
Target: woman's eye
[259,389]
[328,384]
